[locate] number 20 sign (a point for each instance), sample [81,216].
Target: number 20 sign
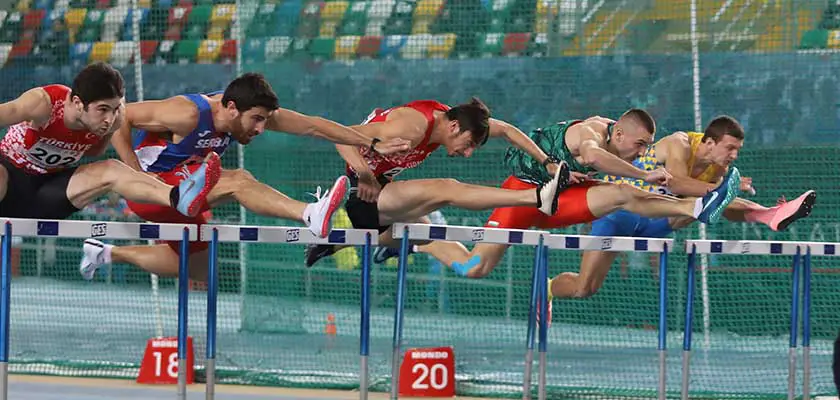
[428,372]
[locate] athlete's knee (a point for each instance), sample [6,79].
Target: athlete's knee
[585,288]
[236,179]
[447,187]
[109,171]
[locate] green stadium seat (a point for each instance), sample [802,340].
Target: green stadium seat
[12,27]
[263,21]
[277,48]
[355,19]
[122,54]
[92,27]
[331,16]
[113,23]
[253,50]
[154,25]
[522,16]
[186,51]
[322,48]
[400,21]
[500,12]
[288,17]
[815,39]
[310,20]
[197,22]
[491,44]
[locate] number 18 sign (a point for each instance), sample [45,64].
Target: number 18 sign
[428,372]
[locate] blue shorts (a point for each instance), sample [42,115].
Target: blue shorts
[625,223]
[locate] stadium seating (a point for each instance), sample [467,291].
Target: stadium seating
[184,31]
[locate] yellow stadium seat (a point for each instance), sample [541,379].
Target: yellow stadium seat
[216,32]
[428,8]
[345,47]
[101,52]
[144,3]
[209,51]
[331,16]
[223,13]
[833,40]
[23,5]
[74,18]
[441,45]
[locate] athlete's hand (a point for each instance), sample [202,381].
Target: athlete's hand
[578,177]
[659,176]
[391,146]
[746,185]
[369,187]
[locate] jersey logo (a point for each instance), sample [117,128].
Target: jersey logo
[710,202]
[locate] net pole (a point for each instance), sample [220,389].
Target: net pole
[794,325]
[689,312]
[364,336]
[543,326]
[398,315]
[140,94]
[5,308]
[240,163]
[698,127]
[663,319]
[212,292]
[183,299]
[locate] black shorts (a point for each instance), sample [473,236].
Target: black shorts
[36,196]
[363,215]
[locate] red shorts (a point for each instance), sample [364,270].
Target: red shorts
[165,214]
[572,209]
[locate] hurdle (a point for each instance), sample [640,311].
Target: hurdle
[798,250]
[468,234]
[84,230]
[622,244]
[285,235]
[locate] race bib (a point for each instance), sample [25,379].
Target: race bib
[48,156]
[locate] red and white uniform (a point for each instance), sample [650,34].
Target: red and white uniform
[391,165]
[50,148]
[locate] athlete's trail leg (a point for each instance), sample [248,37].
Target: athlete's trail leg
[160,259]
[409,200]
[239,185]
[91,181]
[477,263]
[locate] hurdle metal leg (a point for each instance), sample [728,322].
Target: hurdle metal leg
[532,318]
[398,315]
[212,291]
[364,335]
[543,267]
[794,325]
[183,293]
[806,326]
[663,320]
[5,309]
[689,312]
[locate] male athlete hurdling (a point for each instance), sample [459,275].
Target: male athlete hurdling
[177,131]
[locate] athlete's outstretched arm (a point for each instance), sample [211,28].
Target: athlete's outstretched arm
[32,105]
[283,120]
[517,138]
[587,143]
[676,151]
[175,114]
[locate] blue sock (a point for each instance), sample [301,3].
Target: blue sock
[462,269]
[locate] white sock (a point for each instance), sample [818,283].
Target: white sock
[698,207]
[414,248]
[307,211]
[106,253]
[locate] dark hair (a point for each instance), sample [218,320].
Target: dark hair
[248,91]
[641,117]
[474,117]
[98,81]
[723,125]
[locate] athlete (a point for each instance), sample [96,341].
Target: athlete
[179,130]
[597,143]
[51,128]
[696,161]
[377,201]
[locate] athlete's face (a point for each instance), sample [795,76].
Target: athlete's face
[248,124]
[459,144]
[631,140]
[100,116]
[725,151]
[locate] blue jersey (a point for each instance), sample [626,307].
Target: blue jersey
[157,153]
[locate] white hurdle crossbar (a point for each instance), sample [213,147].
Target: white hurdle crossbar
[468,234]
[285,235]
[86,229]
[623,244]
[766,248]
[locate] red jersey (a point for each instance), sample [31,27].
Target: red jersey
[51,147]
[393,164]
